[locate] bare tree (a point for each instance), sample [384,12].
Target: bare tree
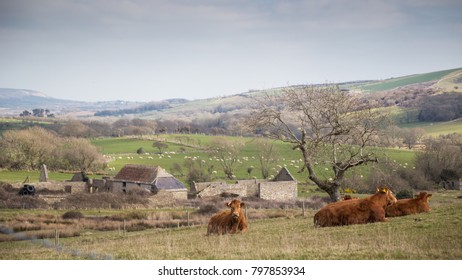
[227,152]
[327,125]
[267,155]
[412,136]
[160,145]
[28,148]
[80,154]
[32,147]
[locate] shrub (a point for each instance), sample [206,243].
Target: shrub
[73,215]
[100,200]
[404,194]
[134,215]
[15,201]
[208,209]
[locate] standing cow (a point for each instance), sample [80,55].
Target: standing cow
[356,211]
[228,221]
[409,206]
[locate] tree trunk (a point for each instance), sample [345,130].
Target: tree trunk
[334,194]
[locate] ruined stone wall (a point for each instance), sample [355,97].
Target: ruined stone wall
[280,191]
[251,185]
[178,194]
[198,187]
[268,190]
[69,187]
[118,187]
[217,188]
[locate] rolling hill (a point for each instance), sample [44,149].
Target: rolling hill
[438,76]
[13,101]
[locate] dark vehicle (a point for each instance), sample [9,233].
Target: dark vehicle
[27,190]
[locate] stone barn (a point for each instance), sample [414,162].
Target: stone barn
[150,178]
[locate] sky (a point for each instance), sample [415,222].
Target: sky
[152,50]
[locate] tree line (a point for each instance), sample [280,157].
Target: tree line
[326,125]
[30,148]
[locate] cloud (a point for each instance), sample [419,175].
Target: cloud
[213,45]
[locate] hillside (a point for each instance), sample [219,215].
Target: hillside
[14,101]
[18,98]
[392,83]
[401,91]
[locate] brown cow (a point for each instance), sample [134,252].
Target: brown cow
[228,221]
[356,211]
[349,197]
[409,206]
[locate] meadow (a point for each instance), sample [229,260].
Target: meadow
[122,150]
[277,233]
[434,235]
[438,128]
[406,80]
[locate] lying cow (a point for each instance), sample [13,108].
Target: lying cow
[228,221]
[409,206]
[349,197]
[356,211]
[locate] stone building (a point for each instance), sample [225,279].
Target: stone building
[149,178]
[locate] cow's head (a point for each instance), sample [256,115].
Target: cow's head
[235,206]
[390,196]
[424,196]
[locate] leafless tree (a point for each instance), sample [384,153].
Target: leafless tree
[227,153]
[267,155]
[328,126]
[27,148]
[32,147]
[160,145]
[80,154]
[412,136]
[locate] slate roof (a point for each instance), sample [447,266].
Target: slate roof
[168,183]
[152,175]
[137,173]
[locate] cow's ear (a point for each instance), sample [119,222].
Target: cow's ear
[429,195]
[242,204]
[383,190]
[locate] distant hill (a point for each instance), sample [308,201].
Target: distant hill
[392,83]
[18,98]
[401,91]
[14,101]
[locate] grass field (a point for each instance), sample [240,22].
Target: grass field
[434,235]
[406,80]
[437,128]
[121,151]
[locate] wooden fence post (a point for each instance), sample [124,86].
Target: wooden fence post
[56,237]
[125,227]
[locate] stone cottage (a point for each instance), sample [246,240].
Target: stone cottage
[150,178]
[282,188]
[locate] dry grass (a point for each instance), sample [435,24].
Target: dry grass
[434,235]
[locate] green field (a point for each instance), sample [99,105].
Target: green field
[438,128]
[121,151]
[406,80]
[434,235]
